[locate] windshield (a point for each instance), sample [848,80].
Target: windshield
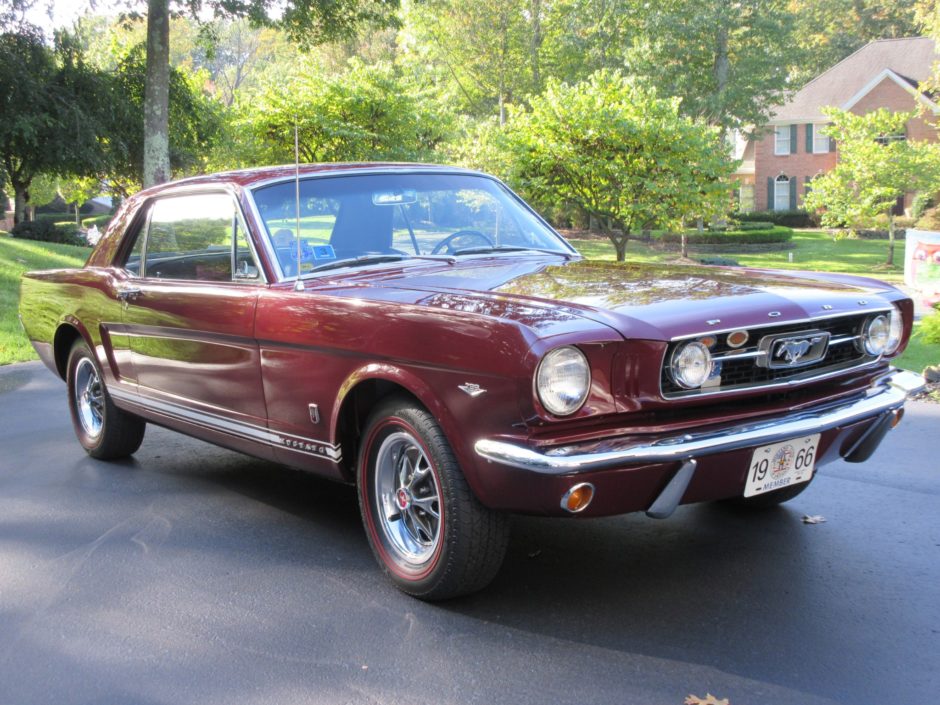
[409,215]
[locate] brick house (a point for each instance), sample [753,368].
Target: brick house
[779,161]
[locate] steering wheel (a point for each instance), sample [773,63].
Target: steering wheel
[447,241]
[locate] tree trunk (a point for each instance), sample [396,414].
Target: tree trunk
[157,95]
[78,220]
[722,67]
[891,238]
[620,244]
[20,201]
[535,47]
[684,252]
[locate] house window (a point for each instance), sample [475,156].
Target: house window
[782,187]
[782,139]
[746,198]
[820,139]
[887,139]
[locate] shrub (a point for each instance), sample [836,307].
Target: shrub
[921,202]
[753,225]
[767,236]
[719,261]
[101,221]
[47,231]
[930,328]
[791,219]
[930,220]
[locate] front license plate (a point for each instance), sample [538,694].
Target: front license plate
[780,465]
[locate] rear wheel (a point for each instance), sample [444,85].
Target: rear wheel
[105,432]
[426,528]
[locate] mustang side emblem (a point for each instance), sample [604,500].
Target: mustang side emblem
[471,388]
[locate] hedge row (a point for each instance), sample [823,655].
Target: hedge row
[790,219]
[776,234]
[47,231]
[99,220]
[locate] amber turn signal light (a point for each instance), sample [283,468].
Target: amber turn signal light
[577,498]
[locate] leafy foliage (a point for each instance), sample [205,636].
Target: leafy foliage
[620,153]
[798,218]
[368,113]
[46,231]
[875,169]
[930,328]
[727,61]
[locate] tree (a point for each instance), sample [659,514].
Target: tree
[194,125]
[830,30]
[308,21]
[49,112]
[367,113]
[877,167]
[489,50]
[728,61]
[614,149]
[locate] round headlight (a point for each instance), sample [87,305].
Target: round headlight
[563,380]
[876,335]
[691,364]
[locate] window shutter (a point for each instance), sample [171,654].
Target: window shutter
[770,193]
[793,184]
[793,139]
[807,186]
[809,138]
[832,145]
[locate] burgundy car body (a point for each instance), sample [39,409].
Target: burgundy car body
[289,375]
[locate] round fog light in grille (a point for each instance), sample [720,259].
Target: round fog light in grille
[691,365]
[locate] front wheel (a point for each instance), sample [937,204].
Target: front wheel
[426,528]
[105,431]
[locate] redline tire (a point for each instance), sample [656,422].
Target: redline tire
[427,530]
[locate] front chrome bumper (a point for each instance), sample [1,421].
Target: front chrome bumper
[885,395]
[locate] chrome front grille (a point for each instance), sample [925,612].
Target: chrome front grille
[749,366]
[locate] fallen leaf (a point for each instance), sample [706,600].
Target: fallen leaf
[536,553]
[709,700]
[815,519]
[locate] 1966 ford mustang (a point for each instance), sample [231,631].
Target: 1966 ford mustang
[420,332]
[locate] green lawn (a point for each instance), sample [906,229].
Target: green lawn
[16,257]
[811,250]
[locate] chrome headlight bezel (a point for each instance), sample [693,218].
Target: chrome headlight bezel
[881,334]
[562,392]
[691,364]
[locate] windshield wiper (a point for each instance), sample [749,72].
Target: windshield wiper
[506,248]
[357,261]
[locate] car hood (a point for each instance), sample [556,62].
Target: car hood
[646,301]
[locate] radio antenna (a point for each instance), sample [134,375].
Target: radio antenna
[298,284]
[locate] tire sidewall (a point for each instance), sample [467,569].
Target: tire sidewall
[425,577]
[80,351]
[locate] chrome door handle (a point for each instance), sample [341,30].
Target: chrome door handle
[129,292]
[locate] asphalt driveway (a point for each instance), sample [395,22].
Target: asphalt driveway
[196,575]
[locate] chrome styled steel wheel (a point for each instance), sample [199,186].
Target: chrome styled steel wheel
[105,431]
[425,526]
[409,498]
[89,397]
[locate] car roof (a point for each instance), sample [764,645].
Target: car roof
[247,178]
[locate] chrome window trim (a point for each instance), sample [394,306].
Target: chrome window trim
[265,239]
[196,190]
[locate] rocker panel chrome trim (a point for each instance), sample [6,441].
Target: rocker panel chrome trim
[241,429]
